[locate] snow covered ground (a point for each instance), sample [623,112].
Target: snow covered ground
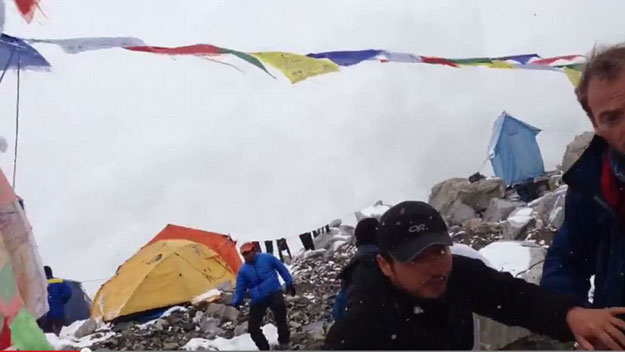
[67,342]
[509,256]
[240,343]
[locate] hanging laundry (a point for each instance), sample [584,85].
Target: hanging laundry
[327,228]
[269,247]
[257,246]
[283,246]
[307,241]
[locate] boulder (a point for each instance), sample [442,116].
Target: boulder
[517,225]
[459,213]
[545,205]
[499,209]
[479,194]
[88,327]
[445,194]
[476,195]
[575,149]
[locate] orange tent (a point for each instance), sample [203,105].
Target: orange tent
[222,244]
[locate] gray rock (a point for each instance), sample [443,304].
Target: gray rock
[494,335]
[88,327]
[216,310]
[575,149]
[198,317]
[499,209]
[315,330]
[459,213]
[240,329]
[445,194]
[230,314]
[476,195]
[479,194]
[171,346]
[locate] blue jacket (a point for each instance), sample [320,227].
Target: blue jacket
[591,241]
[260,279]
[59,293]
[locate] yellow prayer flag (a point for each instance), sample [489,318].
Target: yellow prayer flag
[500,64]
[573,75]
[297,67]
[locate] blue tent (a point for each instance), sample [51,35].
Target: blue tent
[79,306]
[513,150]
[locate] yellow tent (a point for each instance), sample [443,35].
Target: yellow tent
[161,274]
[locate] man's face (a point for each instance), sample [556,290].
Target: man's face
[425,277]
[249,256]
[606,100]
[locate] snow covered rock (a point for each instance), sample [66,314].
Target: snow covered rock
[499,209]
[575,149]
[516,226]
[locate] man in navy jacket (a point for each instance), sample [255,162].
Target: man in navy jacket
[591,240]
[59,293]
[258,276]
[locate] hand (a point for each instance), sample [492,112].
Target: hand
[236,306]
[597,327]
[291,289]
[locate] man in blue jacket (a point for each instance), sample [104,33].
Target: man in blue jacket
[258,276]
[59,293]
[591,240]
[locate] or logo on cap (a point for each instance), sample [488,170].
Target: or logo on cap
[417,228]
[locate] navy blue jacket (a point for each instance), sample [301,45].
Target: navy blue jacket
[591,241]
[260,279]
[59,293]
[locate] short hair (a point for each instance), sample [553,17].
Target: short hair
[604,64]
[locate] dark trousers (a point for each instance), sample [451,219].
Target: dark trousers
[257,312]
[53,325]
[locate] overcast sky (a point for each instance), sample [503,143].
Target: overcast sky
[114,145]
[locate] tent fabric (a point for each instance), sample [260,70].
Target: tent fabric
[514,151]
[222,244]
[79,306]
[162,274]
[269,247]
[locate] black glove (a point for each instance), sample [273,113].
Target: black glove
[237,306]
[291,289]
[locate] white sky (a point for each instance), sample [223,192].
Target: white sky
[114,144]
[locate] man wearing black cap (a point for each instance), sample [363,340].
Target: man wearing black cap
[355,272]
[425,297]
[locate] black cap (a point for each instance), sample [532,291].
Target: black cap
[409,228]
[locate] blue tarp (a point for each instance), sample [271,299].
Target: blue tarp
[513,150]
[13,49]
